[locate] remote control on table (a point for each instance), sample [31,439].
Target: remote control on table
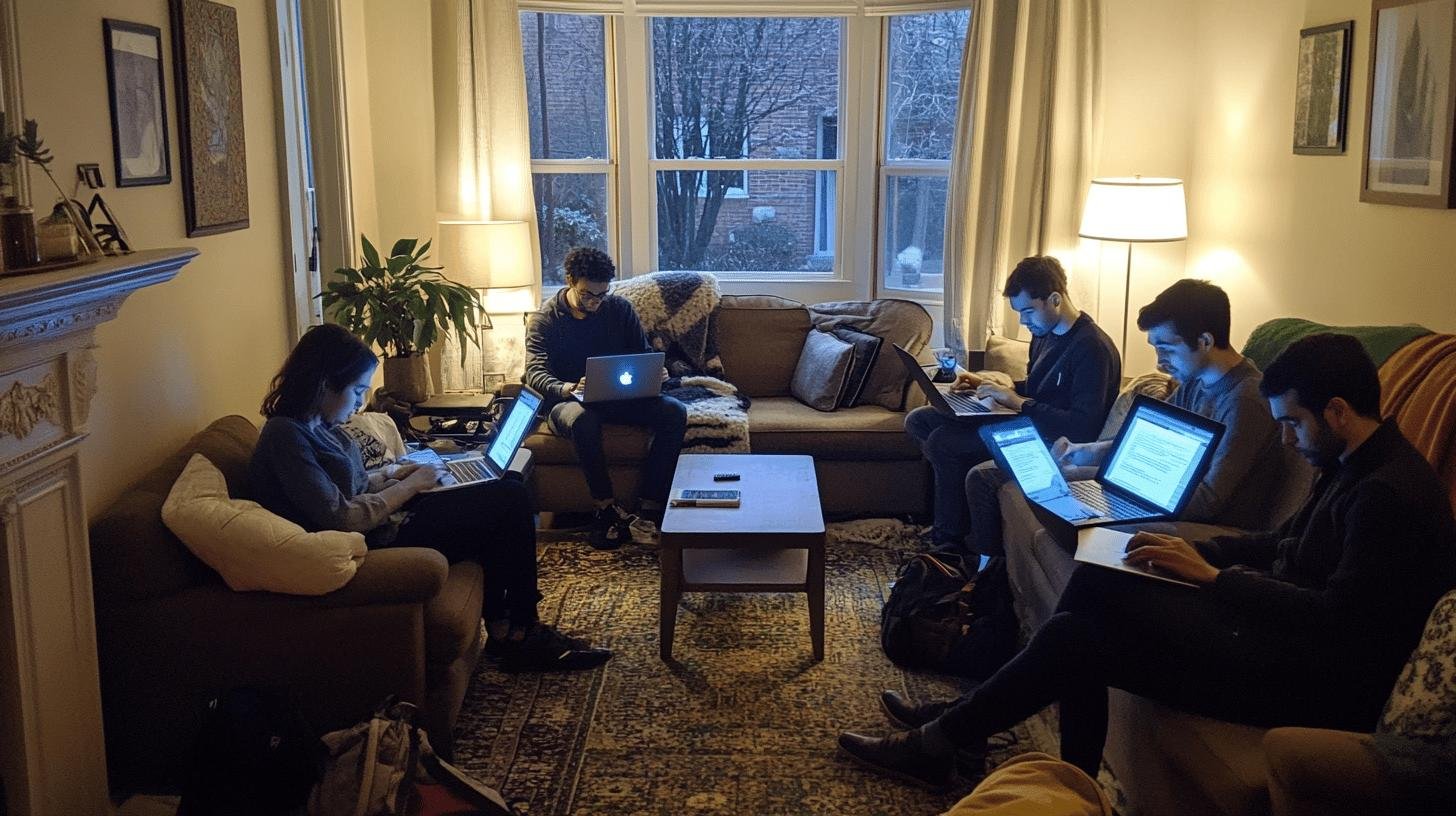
[725,477]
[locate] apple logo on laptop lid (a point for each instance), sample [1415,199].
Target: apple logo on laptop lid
[625,378]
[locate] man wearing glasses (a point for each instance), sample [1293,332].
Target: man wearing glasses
[585,320]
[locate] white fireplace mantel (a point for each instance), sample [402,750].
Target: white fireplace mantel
[52,758]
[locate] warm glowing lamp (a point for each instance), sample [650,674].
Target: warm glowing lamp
[491,255]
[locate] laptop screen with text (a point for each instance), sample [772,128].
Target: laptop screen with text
[1158,456]
[519,422]
[1027,456]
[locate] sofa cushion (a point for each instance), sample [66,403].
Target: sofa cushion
[866,352]
[251,547]
[823,370]
[902,322]
[622,443]
[452,618]
[1423,703]
[759,340]
[1007,355]
[134,555]
[785,425]
[377,437]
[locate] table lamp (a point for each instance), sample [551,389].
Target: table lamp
[491,255]
[1136,210]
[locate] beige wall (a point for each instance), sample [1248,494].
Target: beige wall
[1284,234]
[205,344]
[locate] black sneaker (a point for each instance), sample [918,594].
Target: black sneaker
[612,526]
[903,756]
[544,649]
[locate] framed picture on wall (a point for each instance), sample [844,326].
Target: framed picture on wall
[1322,89]
[210,116]
[1411,110]
[138,103]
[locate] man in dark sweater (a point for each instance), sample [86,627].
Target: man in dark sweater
[584,320]
[1071,381]
[1308,625]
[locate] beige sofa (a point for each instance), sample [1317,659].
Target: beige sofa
[1169,761]
[865,463]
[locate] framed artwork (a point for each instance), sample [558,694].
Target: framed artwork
[1411,110]
[210,116]
[1322,89]
[138,103]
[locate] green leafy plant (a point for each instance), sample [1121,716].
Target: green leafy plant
[30,145]
[400,303]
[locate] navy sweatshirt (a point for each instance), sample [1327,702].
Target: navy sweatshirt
[1073,380]
[558,344]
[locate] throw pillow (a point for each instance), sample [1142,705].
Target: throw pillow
[823,370]
[866,348]
[1008,355]
[251,548]
[377,437]
[1154,384]
[1423,703]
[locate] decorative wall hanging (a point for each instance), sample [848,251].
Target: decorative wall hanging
[138,103]
[1322,89]
[210,103]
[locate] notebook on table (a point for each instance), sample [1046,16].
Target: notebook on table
[622,377]
[464,471]
[1158,459]
[948,402]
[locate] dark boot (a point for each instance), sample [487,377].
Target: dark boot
[903,756]
[903,713]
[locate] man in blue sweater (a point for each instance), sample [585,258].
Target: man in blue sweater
[585,320]
[1071,381]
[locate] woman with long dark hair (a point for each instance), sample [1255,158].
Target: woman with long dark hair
[306,469]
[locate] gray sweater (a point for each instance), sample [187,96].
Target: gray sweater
[315,477]
[1249,461]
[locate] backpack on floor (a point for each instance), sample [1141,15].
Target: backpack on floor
[944,616]
[254,755]
[385,766]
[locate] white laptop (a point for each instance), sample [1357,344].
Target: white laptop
[464,471]
[1157,461]
[948,402]
[622,377]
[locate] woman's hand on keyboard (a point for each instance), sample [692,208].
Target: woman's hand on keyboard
[422,478]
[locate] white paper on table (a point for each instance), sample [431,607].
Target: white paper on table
[1106,548]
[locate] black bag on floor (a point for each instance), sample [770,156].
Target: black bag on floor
[254,756]
[943,616]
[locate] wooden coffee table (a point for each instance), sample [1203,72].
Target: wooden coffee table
[774,542]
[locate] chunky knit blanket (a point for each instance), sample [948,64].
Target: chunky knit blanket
[679,313]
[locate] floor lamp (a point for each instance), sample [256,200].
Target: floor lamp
[1136,210]
[488,255]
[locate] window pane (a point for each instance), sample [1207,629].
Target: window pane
[565,56]
[924,80]
[786,224]
[914,251]
[571,210]
[730,87]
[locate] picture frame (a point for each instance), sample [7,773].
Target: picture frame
[210,116]
[1322,89]
[1410,111]
[138,97]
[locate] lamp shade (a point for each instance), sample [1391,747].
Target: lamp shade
[1135,209]
[484,254]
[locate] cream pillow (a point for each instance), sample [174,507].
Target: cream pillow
[251,548]
[377,436]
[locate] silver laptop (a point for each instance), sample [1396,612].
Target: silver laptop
[622,377]
[948,402]
[464,471]
[1156,462]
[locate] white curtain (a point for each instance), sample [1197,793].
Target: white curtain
[482,133]
[1024,151]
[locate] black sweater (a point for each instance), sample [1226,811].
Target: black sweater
[558,344]
[1072,380]
[1356,571]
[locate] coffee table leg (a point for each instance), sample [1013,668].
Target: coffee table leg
[815,581]
[670,561]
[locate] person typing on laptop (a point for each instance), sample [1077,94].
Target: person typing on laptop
[1071,381]
[582,321]
[1307,625]
[307,470]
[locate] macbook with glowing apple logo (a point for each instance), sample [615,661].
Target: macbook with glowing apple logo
[622,377]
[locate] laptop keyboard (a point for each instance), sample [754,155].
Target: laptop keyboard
[467,470]
[964,403]
[1109,505]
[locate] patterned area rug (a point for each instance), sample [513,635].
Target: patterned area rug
[744,723]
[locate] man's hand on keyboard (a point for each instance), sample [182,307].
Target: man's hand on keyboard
[1169,554]
[1001,394]
[965,382]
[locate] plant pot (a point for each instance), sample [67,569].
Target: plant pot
[407,378]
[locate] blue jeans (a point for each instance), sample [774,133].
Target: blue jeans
[952,448]
[665,417]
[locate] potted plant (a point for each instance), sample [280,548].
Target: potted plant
[403,306]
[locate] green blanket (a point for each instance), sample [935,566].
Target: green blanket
[1270,339]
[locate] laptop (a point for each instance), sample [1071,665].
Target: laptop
[948,402]
[1157,461]
[464,471]
[622,377]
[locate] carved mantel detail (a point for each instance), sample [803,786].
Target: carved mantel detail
[22,406]
[83,383]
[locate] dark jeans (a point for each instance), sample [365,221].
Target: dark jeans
[983,502]
[492,524]
[1166,642]
[952,448]
[582,424]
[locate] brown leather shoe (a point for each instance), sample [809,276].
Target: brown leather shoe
[902,756]
[902,712]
